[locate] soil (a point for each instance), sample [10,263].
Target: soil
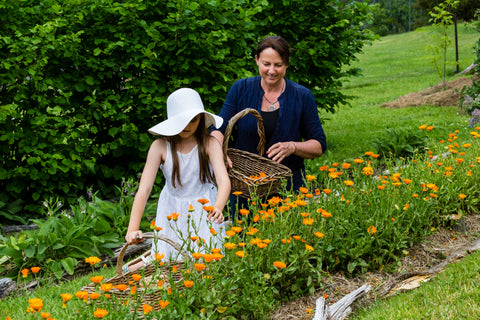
[433,96]
[426,259]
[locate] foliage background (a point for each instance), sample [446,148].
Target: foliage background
[81,81]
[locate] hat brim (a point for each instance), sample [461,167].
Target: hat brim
[177,124]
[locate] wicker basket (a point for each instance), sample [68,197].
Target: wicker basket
[150,295]
[252,173]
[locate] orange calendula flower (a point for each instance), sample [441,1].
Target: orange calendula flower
[159,256]
[407,181]
[230,233]
[121,287]
[213,231]
[327,191]
[152,224]
[303,190]
[406,206]
[147,308]
[368,171]
[230,245]
[244,212]
[372,229]
[430,128]
[163,304]
[25,272]
[237,229]
[308,247]
[203,201]
[252,231]
[94,295]
[66,297]
[45,315]
[82,295]
[462,196]
[381,187]
[136,277]
[92,260]
[358,160]
[199,266]
[174,216]
[191,208]
[106,287]
[279,264]
[35,269]
[310,177]
[308,221]
[36,304]
[422,127]
[197,255]
[237,193]
[348,183]
[133,290]
[188,283]
[96,279]
[318,234]
[208,208]
[346,165]
[100,313]
[174,269]
[240,254]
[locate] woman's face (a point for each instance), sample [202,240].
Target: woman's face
[271,67]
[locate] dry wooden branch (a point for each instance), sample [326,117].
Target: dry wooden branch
[341,309]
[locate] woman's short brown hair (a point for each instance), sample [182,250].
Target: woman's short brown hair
[278,44]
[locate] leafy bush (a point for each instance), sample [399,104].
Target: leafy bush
[82,81]
[395,143]
[66,237]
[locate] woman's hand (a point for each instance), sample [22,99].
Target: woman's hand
[216,215]
[281,150]
[134,237]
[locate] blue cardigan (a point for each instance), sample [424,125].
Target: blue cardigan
[298,119]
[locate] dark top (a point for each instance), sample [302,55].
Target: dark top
[298,119]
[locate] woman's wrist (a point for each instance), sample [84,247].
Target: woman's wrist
[294,147]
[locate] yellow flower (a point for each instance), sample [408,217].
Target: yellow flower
[100,313]
[308,247]
[279,264]
[422,127]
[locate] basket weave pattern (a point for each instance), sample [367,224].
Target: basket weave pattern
[150,295]
[252,173]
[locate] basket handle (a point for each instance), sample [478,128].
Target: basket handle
[149,235]
[260,130]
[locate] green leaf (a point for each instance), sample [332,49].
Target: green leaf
[69,264]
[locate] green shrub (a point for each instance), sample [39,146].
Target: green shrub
[396,143]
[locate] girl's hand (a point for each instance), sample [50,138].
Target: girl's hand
[134,237]
[216,215]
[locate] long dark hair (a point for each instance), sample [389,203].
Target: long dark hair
[202,135]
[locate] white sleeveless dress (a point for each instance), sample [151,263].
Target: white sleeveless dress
[178,199]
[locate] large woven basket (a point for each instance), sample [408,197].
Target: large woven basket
[251,173]
[152,294]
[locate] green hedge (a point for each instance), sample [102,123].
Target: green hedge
[81,81]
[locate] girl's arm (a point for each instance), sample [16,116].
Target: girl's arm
[215,155]
[156,156]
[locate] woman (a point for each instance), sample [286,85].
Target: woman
[290,115]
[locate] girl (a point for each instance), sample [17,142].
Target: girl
[186,153]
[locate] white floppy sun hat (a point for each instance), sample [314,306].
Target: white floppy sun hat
[182,106]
